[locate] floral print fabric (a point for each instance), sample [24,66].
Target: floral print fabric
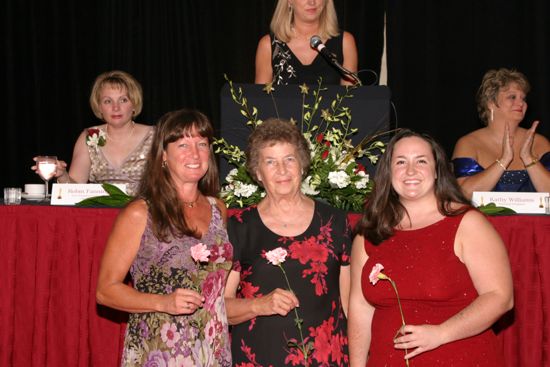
[200,339]
[313,268]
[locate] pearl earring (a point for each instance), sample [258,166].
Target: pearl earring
[492,114]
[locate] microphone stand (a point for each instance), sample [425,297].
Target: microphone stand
[343,70]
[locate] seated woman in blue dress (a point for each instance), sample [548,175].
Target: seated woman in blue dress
[503,156]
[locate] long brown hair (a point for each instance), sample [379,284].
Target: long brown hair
[384,211]
[157,187]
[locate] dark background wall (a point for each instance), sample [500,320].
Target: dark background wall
[180,49]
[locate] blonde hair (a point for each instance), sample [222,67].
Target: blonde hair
[493,82]
[283,20]
[122,80]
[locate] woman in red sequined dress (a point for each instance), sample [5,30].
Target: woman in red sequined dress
[449,265]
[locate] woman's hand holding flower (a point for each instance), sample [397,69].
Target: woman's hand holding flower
[418,339]
[181,302]
[278,301]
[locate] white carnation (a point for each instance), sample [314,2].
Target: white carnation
[308,188]
[339,179]
[231,175]
[362,183]
[244,190]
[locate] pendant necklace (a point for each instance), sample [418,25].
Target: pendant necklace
[191,204]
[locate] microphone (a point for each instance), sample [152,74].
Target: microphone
[317,43]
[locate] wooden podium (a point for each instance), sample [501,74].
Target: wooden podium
[369,106]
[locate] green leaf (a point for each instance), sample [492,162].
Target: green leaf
[493,209]
[116,198]
[112,189]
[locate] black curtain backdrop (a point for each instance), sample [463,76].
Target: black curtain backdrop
[439,51]
[180,49]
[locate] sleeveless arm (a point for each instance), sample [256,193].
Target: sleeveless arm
[264,70]
[360,312]
[485,180]
[349,50]
[79,170]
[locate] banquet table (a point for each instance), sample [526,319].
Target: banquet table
[49,260]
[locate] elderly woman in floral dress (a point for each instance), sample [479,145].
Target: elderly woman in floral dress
[316,240]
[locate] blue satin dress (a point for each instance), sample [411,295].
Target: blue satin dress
[512,181]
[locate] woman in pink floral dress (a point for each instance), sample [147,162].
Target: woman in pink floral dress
[259,305]
[176,304]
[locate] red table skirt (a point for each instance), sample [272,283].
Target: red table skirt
[49,259]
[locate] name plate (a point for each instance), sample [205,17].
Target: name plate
[520,202]
[70,194]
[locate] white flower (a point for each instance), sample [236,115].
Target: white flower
[96,137]
[308,188]
[244,190]
[276,256]
[363,181]
[339,179]
[231,175]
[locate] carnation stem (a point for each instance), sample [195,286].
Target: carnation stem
[298,322]
[400,311]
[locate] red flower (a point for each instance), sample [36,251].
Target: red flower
[360,167]
[320,138]
[91,132]
[308,250]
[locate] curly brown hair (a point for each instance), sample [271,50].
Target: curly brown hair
[493,82]
[157,187]
[271,132]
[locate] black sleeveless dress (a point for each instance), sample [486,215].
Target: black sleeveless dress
[287,69]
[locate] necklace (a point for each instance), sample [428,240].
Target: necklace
[126,138]
[191,204]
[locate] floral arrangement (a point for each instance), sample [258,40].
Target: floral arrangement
[376,275]
[335,174]
[277,257]
[96,137]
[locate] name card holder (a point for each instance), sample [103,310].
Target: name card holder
[520,202]
[70,194]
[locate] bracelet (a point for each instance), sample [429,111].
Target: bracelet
[500,164]
[533,162]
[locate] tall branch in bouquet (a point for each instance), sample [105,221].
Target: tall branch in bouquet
[336,176]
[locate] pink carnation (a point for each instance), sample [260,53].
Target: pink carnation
[276,256]
[200,252]
[376,274]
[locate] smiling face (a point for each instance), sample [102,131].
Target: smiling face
[187,158]
[413,171]
[511,104]
[307,10]
[279,169]
[115,106]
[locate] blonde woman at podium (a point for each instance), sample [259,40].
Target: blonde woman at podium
[503,156]
[291,54]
